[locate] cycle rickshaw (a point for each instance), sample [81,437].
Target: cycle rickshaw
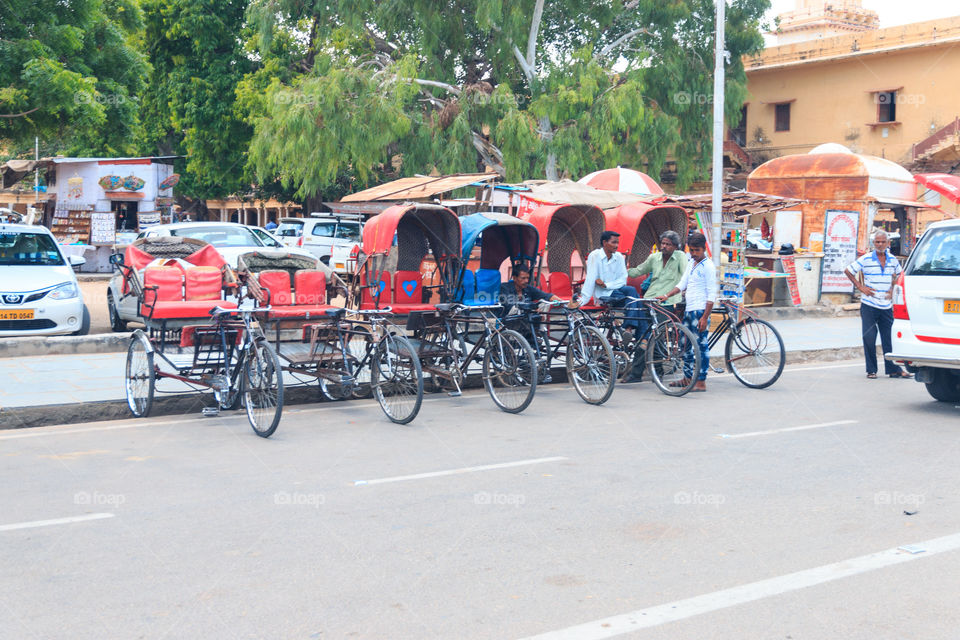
[350,354]
[449,337]
[570,333]
[194,333]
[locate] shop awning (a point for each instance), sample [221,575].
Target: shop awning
[943,183]
[14,170]
[896,202]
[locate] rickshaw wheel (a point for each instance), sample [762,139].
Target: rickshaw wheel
[140,376]
[591,364]
[396,378]
[357,347]
[667,345]
[509,370]
[262,388]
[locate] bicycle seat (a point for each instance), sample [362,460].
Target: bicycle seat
[446,306]
[220,311]
[335,313]
[527,306]
[605,299]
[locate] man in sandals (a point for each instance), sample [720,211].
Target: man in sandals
[699,283]
[874,274]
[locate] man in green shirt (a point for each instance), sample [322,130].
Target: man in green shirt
[666,268]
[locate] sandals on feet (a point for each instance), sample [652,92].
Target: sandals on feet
[900,374]
[872,376]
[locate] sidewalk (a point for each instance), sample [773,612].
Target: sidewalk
[83,378]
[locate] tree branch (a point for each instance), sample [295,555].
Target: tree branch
[18,115]
[619,41]
[534,31]
[440,85]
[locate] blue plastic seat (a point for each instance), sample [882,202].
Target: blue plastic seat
[488,286]
[468,288]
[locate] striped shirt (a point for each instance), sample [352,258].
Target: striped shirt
[700,283]
[879,278]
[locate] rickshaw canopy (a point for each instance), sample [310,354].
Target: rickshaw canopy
[420,229]
[143,251]
[565,228]
[504,236]
[640,226]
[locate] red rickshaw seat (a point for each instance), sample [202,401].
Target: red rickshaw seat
[386,293]
[203,283]
[407,308]
[310,286]
[408,288]
[560,285]
[278,282]
[168,283]
[179,309]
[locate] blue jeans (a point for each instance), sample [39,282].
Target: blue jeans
[632,307]
[691,320]
[872,320]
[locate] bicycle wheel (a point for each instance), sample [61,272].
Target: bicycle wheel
[665,352]
[396,378]
[141,376]
[591,364]
[357,347]
[623,358]
[755,353]
[262,388]
[509,370]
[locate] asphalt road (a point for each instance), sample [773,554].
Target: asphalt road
[472,523]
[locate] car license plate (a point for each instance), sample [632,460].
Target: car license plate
[19,314]
[340,265]
[951,306]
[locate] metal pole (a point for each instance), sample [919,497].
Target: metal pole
[36,169]
[718,93]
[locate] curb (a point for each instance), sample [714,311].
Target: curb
[75,413]
[64,345]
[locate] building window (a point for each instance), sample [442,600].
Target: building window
[739,133]
[886,106]
[782,117]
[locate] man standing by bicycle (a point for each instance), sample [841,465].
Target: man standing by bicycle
[699,283]
[607,277]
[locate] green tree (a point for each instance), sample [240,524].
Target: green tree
[196,51]
[70,74]
[371,89]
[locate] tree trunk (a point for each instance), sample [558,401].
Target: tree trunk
[546,132]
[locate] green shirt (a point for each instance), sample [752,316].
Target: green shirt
[663,277]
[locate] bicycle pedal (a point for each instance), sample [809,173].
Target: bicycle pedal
[347,380]
[455,394]
[210,412]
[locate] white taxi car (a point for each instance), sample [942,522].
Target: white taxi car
[926,312]
[39,295]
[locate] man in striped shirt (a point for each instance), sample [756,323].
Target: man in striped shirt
[874,274]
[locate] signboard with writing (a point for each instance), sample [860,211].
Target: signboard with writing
[103,228]
[839,250]
[790,268]
[145,220]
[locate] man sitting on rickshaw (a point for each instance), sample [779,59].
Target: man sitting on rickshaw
[607,277]
[517,291]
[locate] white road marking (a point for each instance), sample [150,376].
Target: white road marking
[751,434]
[707,603]
[450,472]
[47,523]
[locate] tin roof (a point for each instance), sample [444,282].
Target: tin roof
[418,187]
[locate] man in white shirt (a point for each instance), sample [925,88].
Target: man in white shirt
[700,284]
[607,277]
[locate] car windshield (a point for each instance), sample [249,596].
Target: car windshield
[937,255]
[349,231]
[220,236]
[290,229]
[265,238]
[325,229]
[35,249]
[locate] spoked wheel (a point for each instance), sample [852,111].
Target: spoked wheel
[755,353]
[620,354]
[666,347]
[591,364]
[357,347]
[334,391]
[141,375]
[262,388]
[396,378]
[509,370]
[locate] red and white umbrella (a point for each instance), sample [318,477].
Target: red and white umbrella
[625,180]
[943,183]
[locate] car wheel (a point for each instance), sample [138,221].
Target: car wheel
[84,323]
[945,387]
[116,323]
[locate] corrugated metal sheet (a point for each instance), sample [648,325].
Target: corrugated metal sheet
[418,187]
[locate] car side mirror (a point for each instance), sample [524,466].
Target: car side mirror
[76,261]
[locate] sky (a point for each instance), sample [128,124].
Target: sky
[891,12]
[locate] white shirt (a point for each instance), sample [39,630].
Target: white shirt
[612,270]
[879,278]
[699,282]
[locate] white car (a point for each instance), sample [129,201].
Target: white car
[926,312]
[329,236]
[39,295]
[230,238]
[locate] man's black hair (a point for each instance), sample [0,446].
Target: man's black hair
[697,239]
[518,269]
[606,235]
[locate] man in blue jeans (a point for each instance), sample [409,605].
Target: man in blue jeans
[607,277]
[699,283]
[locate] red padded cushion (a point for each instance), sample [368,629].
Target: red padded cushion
[367,298]
[407,308]
[560,285]
[204,283]
[278,282]
[180,309]
[311,287]
[299,311]
[408,288]
[169,283]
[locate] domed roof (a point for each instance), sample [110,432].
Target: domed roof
[832,161]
